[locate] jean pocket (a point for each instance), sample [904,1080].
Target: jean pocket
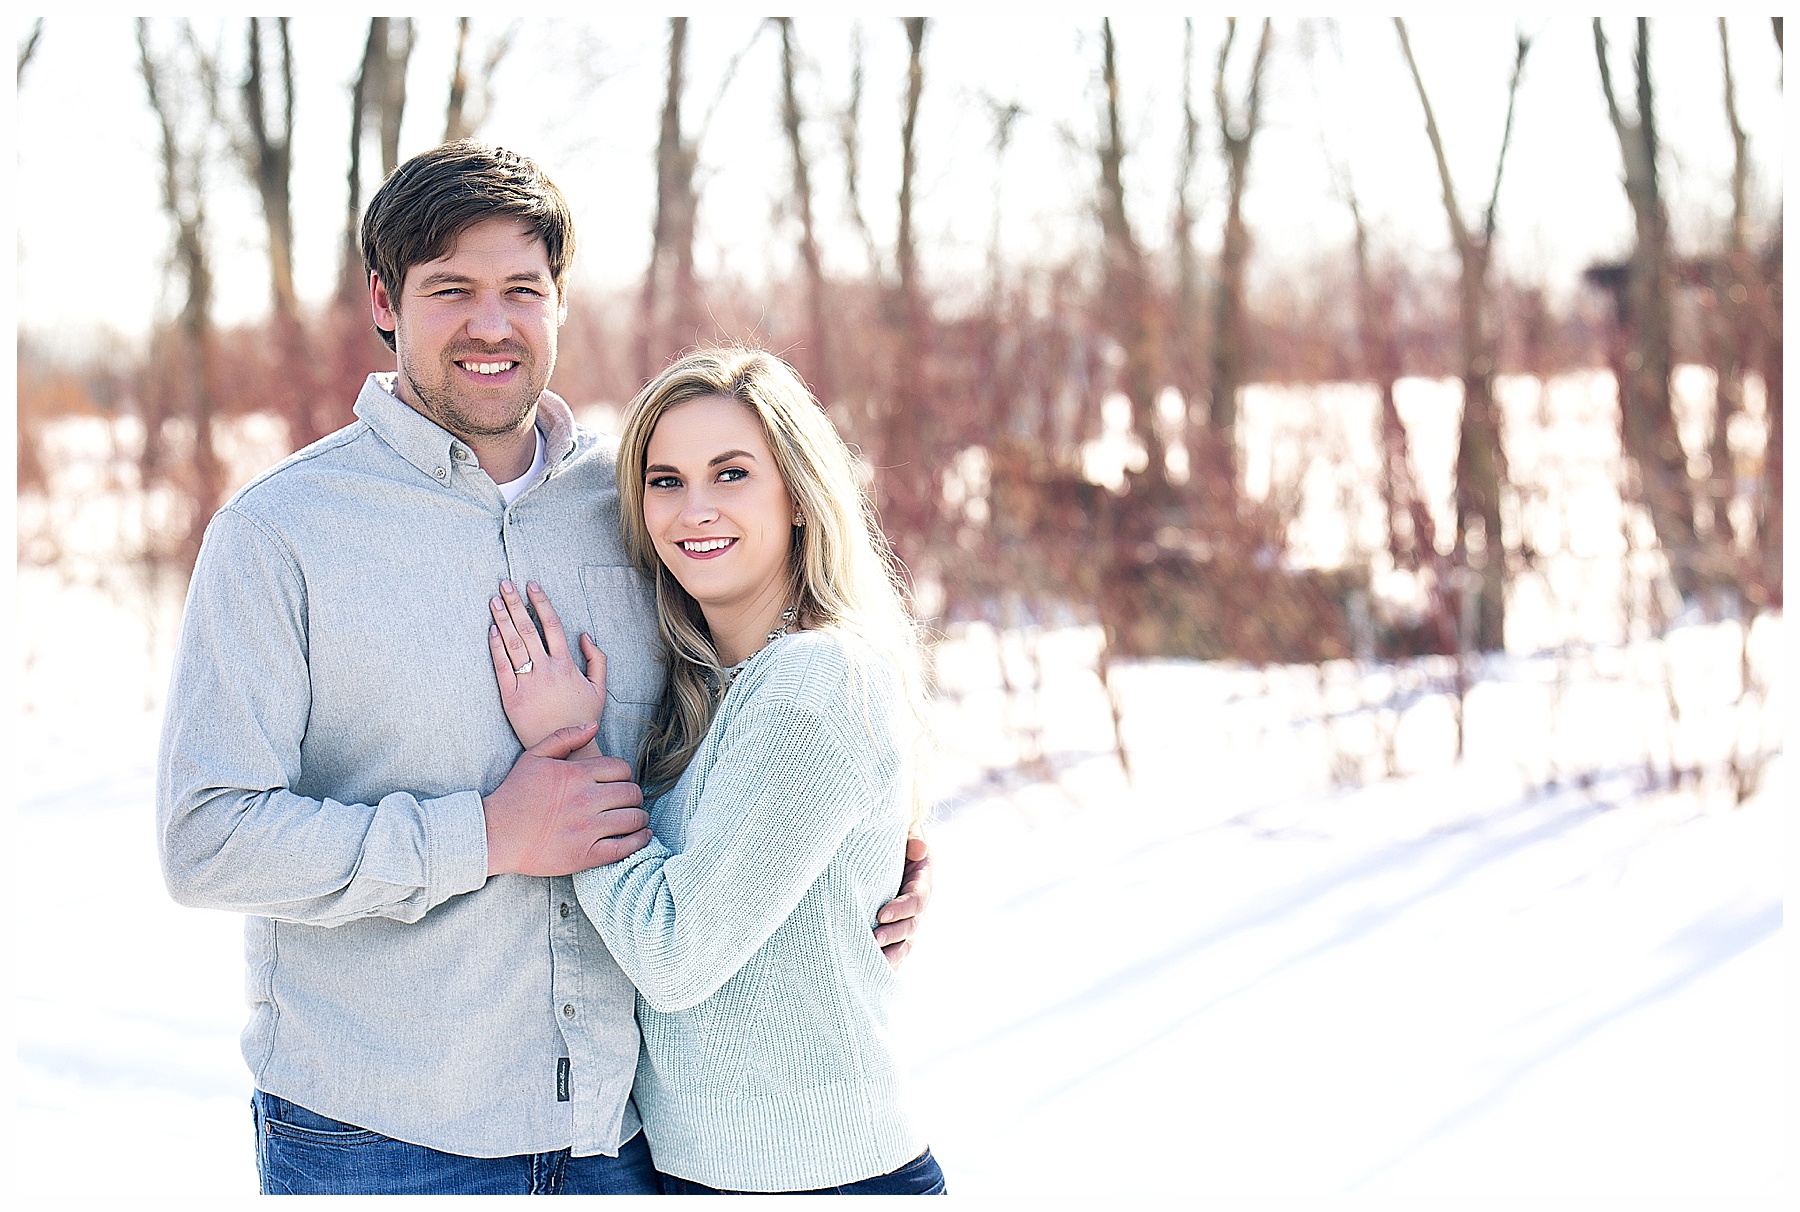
[290,1121]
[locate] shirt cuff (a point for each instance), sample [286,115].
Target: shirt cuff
[459,857]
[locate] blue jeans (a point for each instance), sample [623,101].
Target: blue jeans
[299,1152]
[920,1176]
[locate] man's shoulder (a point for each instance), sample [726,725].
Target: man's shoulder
[595,454]
[296,479]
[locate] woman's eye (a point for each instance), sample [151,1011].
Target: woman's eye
[664,482]
[732,475]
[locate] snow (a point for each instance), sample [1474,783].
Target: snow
[1303,956]
[1258,975]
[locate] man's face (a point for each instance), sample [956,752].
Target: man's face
[475,330]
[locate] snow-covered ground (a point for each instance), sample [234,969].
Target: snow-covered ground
[1302,957]
[1263,973]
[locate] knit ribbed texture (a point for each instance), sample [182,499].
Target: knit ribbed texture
[747,927]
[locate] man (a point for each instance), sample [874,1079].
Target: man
[431,1011]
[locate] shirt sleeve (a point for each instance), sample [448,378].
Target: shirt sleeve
[783,793]
[230,831]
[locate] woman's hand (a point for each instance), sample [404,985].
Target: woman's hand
[902,915]
[540,687]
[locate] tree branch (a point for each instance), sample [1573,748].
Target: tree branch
[1512,96]
[1458,229]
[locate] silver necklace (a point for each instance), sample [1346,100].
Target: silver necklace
[787,625]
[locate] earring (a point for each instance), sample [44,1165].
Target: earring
[799,518]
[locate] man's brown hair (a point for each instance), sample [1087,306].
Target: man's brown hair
[430,200]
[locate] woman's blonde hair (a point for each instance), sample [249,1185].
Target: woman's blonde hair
[843,576]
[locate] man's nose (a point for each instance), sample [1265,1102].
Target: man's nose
[489,321]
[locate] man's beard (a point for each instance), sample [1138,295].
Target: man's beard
[441,400]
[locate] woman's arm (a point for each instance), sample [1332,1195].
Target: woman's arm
[783,794]
[540,687]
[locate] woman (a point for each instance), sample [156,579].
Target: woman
[780,763]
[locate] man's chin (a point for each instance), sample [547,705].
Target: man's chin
[479,418]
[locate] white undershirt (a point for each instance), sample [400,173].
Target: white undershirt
[512,488]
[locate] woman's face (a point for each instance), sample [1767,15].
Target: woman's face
[716,506]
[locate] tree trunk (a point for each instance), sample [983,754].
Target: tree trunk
[399,48]
[370,80]
[1229,339]
[1128,302]
[910,496]
[1480,456]
[1646,416]
[269,159]
[670,300]
[183,200]
[463,115]
[816,361]
[1185,352]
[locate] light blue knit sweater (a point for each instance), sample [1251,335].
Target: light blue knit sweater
[747,923]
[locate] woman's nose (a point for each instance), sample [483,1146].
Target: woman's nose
[698,508]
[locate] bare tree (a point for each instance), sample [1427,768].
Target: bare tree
[1185,360]
[1480,458]
[816,362]
[849,135]
[1728,295]
[1229,339]
[669,305]
[1768,309]
[264,142]
[379,90]
[1129,303]
[1647,419]
[392,96]
[29,48]
[462,118]
[909,505]
[1004,115]
[186,388]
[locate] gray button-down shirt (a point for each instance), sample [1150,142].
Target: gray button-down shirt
[332,724]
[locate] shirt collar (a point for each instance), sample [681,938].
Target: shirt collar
[432,449]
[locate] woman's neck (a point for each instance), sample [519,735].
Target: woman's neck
[741,630]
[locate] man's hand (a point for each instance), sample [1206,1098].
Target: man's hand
[551,816]
[900,916]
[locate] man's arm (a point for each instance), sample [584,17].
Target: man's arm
[901,916]
[231,833]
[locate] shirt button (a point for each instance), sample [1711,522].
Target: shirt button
[440,473]
[459,455]
[569,1010]
[565,909]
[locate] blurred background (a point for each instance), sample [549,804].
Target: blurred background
[1340,463]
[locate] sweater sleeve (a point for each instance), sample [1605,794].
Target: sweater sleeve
[231,832]
[783,793]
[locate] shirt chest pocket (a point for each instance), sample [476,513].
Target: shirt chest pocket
[623,617]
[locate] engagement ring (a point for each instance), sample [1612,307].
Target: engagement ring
[525,668]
